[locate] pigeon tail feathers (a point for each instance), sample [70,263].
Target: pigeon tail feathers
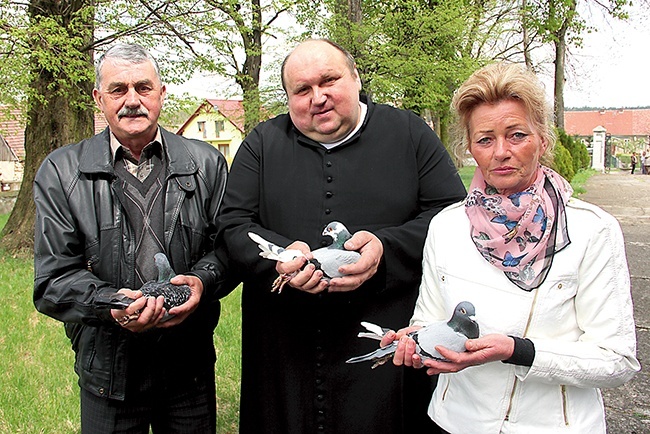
[272,251]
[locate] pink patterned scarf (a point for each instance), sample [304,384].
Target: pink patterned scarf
[520,233]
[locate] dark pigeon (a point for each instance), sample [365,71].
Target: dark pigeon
[450,334]
[174,295]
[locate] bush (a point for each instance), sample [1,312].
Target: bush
[563,162]
[577,150]
[626,160]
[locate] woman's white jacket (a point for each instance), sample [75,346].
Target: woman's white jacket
[580,321]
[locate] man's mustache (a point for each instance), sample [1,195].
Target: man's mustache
[132,112]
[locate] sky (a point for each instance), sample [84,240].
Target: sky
[610,70]
[613,67]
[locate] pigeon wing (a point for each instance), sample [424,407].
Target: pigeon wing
[374,331]
[115,300]
[331,259]
[438,334]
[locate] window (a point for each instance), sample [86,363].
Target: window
[201,125]
[218,127]
[225,150]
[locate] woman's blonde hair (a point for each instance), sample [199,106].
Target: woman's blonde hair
[495,83]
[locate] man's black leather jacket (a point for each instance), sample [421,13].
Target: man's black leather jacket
[84,246]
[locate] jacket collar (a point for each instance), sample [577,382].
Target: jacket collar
[96,155]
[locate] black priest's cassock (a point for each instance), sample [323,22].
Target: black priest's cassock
[390,178]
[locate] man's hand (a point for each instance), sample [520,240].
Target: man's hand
[306,279]
[184,310]
[372,250]
[143,314]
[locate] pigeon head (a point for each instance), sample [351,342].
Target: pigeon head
[463,320]
[165,272]
[338,232]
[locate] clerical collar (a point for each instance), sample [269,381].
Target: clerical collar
[362,116]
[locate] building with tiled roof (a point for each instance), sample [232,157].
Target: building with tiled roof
[12,145]
[629,128]
[219,122]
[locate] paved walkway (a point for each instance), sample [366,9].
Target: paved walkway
[627,197]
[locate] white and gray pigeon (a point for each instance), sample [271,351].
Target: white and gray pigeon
[450,334]
[327,259]
[174,295]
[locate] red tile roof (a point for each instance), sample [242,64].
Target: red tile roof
[620,122]
[13,131]
[230,109]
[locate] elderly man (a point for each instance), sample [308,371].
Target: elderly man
[104,207]
[382,172]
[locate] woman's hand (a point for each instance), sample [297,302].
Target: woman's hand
[405,352]
[489,348]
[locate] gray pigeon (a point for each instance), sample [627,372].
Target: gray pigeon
[174,295]
[450,334]
[327,259]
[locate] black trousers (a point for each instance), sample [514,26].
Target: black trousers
[187,407]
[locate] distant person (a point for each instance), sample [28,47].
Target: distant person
[382,172]
[633,161]
[646,162]
[546,272]
[642,163]
[104,207]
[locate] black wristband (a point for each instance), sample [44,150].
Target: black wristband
[524,352]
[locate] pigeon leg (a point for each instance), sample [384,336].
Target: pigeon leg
[281,280]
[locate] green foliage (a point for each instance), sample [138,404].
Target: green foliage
[579,154]
[411,53]
[579,180]
[563,162]
[626,160]
[177,109]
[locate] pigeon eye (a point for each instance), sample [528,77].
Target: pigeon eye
[463,311]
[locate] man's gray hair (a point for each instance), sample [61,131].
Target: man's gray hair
[129,53]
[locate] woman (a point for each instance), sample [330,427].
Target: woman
[547,274]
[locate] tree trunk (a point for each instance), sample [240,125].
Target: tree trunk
[560,56]
[249,78]
[558,93]
[59,112]
[526,38]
